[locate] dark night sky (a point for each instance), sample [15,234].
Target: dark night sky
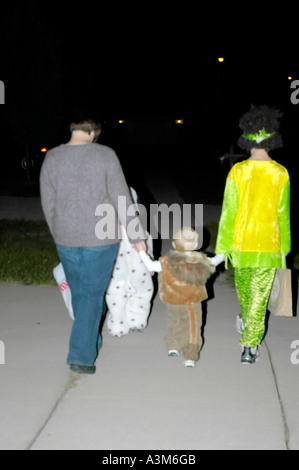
[141,60]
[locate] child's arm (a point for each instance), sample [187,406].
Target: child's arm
[152,266]
[217,259]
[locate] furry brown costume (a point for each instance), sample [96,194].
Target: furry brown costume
[183,274]
[183,278]
[182,287]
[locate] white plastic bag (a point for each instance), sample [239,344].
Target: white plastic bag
[65,290]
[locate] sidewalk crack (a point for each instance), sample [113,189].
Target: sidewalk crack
[70,384]
[282,409]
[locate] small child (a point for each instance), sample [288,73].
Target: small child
[183,274]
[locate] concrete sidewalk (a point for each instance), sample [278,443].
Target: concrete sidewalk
[140,398]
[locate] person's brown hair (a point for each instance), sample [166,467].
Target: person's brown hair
[86,126]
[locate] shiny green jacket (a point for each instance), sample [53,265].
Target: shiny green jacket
[254,228]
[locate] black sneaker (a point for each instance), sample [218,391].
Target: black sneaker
[83,369]
[250,355]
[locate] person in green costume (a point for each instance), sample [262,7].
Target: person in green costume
[254,228]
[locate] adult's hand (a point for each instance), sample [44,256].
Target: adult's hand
[141,246]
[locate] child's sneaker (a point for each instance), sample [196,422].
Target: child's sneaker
[189,363]
[173,353]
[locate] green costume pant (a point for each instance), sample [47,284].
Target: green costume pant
[253,288]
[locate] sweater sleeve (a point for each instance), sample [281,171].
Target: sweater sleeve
[47,192]
[283,211]
[227,219]
[122,200]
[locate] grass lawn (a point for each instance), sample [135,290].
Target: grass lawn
[27,253]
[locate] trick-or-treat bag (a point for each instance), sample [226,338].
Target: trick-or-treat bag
[65,290]
[281,302]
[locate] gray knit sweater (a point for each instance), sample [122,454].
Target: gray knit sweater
[78,181]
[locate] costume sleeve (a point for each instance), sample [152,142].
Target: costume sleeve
[227,219]
[151,265]
[283,210]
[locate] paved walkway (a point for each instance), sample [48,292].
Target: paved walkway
[139,398]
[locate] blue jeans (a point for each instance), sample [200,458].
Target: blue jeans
[88,272]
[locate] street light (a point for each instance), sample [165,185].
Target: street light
[220,59]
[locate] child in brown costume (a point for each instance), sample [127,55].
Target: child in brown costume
[183,274]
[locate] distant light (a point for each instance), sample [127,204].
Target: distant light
[44,150]
[290,78]
[179,121]
[121,121]
[220,59]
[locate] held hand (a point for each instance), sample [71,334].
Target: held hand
[141,246]
[217,259]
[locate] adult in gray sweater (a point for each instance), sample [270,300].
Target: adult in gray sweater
[84,197]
